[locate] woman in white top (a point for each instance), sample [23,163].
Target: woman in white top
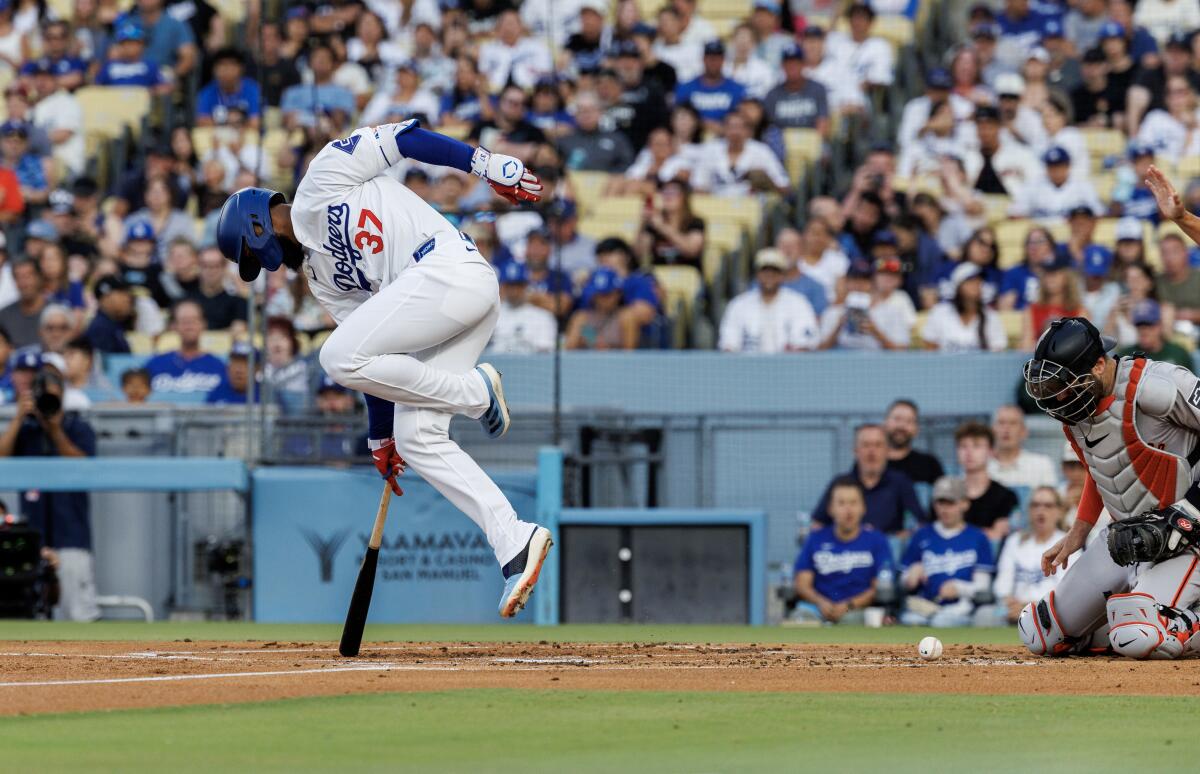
[736,165]
[14,44]
[1173,132]
[1019,579]
[964,324]
[820,257]
[658,162]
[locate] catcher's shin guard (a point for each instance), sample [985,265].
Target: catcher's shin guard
[1039,629]
[1138,627]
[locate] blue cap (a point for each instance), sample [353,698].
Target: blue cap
[1146,312]
[1179,39]
[884,237]
[513,273]
[241,349]
[1111,29]
[297,12]
[42,229]
[793,51]
[715,48]
[327,383]
[129,29]
[1056,155]
[1097,260]
[603,280]
[986,30]
[12,126]
[939,78]
[1139,149]
[1053,28]
[27,359]
[624,48]
[139,230]
[1059,259]
[562,208]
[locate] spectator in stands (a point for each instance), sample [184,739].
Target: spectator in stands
[1152,341]
[1011,464]
[6,371]
[170,44]
[935,141]
[28,167]
[1063,66]
[8,288]
[1131,197]
[671,234]
[188,370]
[1074,476]
[946,563]
[601,324]
[333,399]
[42,428]
[1149,88]
[167,222]
[695,28]
[1100,293]
[738,164]
[512,57]
[509,130]
[56,327]
[867,61]
[769,318]
[862,318]
[712,94]
[20,318]
[1056,192]
[1138,285]
[1095,101]
[890,494]
[1019,577]
[640,291]
[765,24]
[1058,296]
[234,387]
[406,98]
[82,376]
[980,249]
[1081,225]
[820,257]
[575,252]
[1121,66]
[659,161]
[901,424]
[873,197]
[967,65]
[135,385]
[67,70]
[836,570]
[1058,133]
[277,70]
[58,115]
[61,283]
[1162,17]
[991,503]
[223,310]
[1021,282]
[745,66]
[136,261]
[964,323]
[284,369]
[1171,131]
[106,332]
[229,90]
[1142,45]
[521,328]
[683,56]
[590,147]
[642,103]
[548,287]
[917,112]
[303,102]
[127,63]
[1179,284]
[468,101]
[797,102]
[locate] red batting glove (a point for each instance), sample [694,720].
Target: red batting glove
[528,189]
[388,462]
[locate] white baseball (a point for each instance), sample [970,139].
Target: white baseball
[930,648]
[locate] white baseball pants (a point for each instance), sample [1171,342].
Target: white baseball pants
[416,343]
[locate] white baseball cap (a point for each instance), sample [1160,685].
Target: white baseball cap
[1129,228]
[1009,84]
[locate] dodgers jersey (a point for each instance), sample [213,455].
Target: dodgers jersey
[843,569]
[361,228]
[947,555]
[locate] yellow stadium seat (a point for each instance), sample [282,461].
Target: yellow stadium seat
[996,207]
[621,207]
[746,211]
[63,9]
[1104,184]
[1010,238]
[918,329]
[1014,327]
[722,9]
[802,147]
[1188,168]
[216,342]
[139,343]
[681,285]
[109,110]
[167,341]
[601,228]
[1102,143]
[315,340]
[232,11]
[588,188]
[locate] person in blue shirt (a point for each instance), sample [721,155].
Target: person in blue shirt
[233,388]
[1021,23]
[640,291]
[711,94]
[549,287]
[890,495]
[946,562]
[302,102]
[127,64]
[188,370]
[170,43]
[68,71]
[15,155]
[1134,198]
[106,332]
[229,91]
[1019,287]
[836,571]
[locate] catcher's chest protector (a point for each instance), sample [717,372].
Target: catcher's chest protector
[1131,475]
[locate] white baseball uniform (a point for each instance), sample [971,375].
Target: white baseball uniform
[415,304]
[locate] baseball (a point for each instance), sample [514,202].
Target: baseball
[930,648]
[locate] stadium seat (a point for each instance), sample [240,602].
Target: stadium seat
[1187,169]
[167,341]
[1010,238]
[746,211]
[139,343]
[216,342]
[1104,183]
[1103,144]
[802,147]
[1014,326]
[681,285]
[232,11]
[601,228]
[317,339]
[62,9]
[588,188]
[996,206]
[918,329]
[1106,232]
[109,110]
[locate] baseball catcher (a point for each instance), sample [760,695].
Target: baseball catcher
[415,304]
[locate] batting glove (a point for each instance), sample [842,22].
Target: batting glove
[507,176]
[388,462]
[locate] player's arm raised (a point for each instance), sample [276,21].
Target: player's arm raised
[1170,205]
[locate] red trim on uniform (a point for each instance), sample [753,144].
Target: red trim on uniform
[1090,502]
[1183,583]
[1103,405]
[1157,470]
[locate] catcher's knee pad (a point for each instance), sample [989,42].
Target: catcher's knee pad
[1136,630]
[1039,629]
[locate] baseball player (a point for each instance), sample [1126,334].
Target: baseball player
[415,304]
[1135,425]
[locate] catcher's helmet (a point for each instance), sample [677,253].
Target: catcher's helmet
[244,231]
[1059,376]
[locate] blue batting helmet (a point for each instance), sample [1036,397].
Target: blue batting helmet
[244,231]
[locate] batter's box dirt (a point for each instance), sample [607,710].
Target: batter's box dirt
[76,676]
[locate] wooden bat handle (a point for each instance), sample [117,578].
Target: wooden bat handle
[380,517]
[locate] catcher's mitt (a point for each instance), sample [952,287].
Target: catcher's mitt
[1154,536]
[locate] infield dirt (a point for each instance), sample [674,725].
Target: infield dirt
[37,677]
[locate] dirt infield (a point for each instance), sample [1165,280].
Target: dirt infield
[40,677]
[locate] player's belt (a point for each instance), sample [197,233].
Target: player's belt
[424,249]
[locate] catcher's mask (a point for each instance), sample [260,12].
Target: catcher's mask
[1059,376]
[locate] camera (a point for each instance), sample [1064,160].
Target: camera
[47,392]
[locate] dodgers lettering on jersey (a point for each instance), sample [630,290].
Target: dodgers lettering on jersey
[953,557]
[347,275]
[842,570]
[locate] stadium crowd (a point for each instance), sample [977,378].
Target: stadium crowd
[1005,191]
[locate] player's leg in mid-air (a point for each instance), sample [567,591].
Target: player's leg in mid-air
[1072,619]
[416,343]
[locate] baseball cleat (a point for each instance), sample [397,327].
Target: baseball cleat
[496,419]
[521,574]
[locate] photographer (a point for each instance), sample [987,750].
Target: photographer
[40,428]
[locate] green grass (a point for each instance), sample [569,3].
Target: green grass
[570,731]
[133,631]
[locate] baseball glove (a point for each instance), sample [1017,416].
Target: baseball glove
[1154,536]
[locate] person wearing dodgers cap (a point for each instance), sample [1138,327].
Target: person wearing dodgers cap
[1152,341]
[521,327]
[1057,192]
[602,324]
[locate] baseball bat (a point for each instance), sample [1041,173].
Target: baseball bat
[360,601]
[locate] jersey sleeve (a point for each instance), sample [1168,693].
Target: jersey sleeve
[1185,408]
[351,161]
